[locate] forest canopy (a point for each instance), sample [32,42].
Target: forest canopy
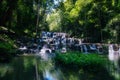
[96,20]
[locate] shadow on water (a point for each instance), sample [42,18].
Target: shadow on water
[33,68]
[28,68]
[80,74]
[21,68]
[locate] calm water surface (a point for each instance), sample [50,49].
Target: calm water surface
[34,68]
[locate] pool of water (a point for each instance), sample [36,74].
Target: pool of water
[29,68]
[34,68]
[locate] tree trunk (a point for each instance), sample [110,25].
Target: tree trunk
[37,23]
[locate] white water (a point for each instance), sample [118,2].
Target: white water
[114,57]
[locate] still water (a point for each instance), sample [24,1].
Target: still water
[29,68]
[34,68]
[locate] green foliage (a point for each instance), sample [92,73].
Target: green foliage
[113,27]
[7,51]
[87,62]
[76,17]
[7,48]
[54,21]
[6,45]
[80,17]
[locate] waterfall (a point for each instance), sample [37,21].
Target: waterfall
[111,51]
[81,48]
[85,49]
[114,56]
[92,47]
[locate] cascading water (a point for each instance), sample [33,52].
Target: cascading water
[44,50]
[114,56]
[85,49]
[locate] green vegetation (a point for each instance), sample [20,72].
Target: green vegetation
[95,20]
[88,19]
[76,17]
[7,51]
[99,18]
[87,62]
[86,66]
[7,48]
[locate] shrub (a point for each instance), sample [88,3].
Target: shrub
[6,51]
[87,62]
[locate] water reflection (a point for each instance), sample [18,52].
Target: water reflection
[34,68]
[24,68]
